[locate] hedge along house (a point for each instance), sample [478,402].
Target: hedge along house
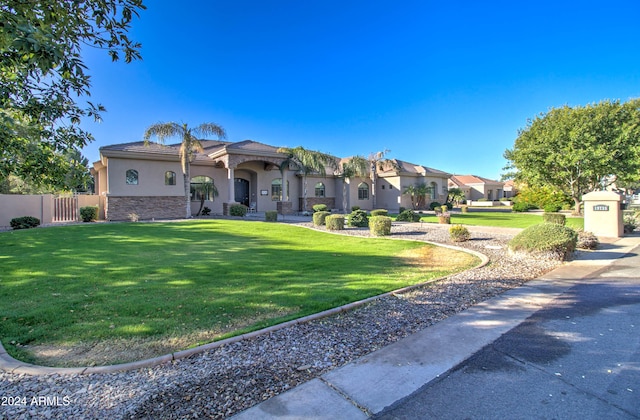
[146,180]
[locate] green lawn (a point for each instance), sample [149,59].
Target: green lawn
[501,219]
[207,279]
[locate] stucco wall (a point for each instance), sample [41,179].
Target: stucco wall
[150,178]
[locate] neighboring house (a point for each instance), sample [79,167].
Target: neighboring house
[147,180]
[509,189]
[477,188]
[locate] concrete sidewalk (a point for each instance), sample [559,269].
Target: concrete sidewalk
[367,386]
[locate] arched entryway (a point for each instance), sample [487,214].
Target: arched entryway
[241,187]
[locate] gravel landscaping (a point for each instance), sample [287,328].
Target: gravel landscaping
[221,382]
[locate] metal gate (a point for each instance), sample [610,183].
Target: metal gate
[65,209]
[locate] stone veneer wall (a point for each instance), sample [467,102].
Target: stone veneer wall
[312,201]
[119,208]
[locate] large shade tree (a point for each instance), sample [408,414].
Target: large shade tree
[308,162]
[579,149]
[44,81]
[356,166]
[189,145]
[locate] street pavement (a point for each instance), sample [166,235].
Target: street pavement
[564,346]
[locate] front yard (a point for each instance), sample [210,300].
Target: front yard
[112,293]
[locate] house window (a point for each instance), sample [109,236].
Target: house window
[202,187]
[383,187]
[363,191]
[276,189]
[132,177]
[320,189]
[169,178]
[390,186]
[433,190]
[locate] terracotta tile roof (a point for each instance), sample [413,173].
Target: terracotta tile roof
[472,179]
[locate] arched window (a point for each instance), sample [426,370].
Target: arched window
[169,178]
[202,186]
[276,189]
[132,177]
[320,189]
[363,191]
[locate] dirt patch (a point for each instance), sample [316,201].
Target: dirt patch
[437,258]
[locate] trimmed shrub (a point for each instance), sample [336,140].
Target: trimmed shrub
[557,218]
[545,240]
[358,218]
[630,223]
[459,233]
[319,217]
[354,208]
[408,216]
[24,222]
[238,210]
[320,207]
[434,205]
[586,240]
[552,207]
[379,212]
[271,216]
[89,213]
[444,208]
[334,222]
[464,209]
[380,225]
[521,206]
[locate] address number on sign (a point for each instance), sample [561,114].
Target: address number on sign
[600,207]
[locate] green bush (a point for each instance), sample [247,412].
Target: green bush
[271,216]
[24,222]
[459,233]
[380,225]
[320,207]
[408,216]
[444,208]
[546,240]
[334,222]
[401,209]
[464,209]
[379,212]
[358,218]
[552,207]
[521,206]
[586,240]
[434,205]
[238,210]
[319,218]
[557,218]
[354,208]
[630,223]
[89,213]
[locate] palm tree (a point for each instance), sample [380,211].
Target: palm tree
[204,190]
[418,194]
[189,146]
[357,166]
[307,162]
[377,161]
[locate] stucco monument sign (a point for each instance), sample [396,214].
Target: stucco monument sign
[602,214]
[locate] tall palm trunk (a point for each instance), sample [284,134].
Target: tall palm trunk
[186,173]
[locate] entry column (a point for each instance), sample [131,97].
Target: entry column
[231,198]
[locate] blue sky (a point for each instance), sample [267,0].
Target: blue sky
[445,84]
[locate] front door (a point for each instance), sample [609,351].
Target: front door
[241,187]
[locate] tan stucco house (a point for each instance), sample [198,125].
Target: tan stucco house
[147,180]
[477,188]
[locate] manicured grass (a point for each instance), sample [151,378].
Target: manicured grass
[501,219]
[207,279]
